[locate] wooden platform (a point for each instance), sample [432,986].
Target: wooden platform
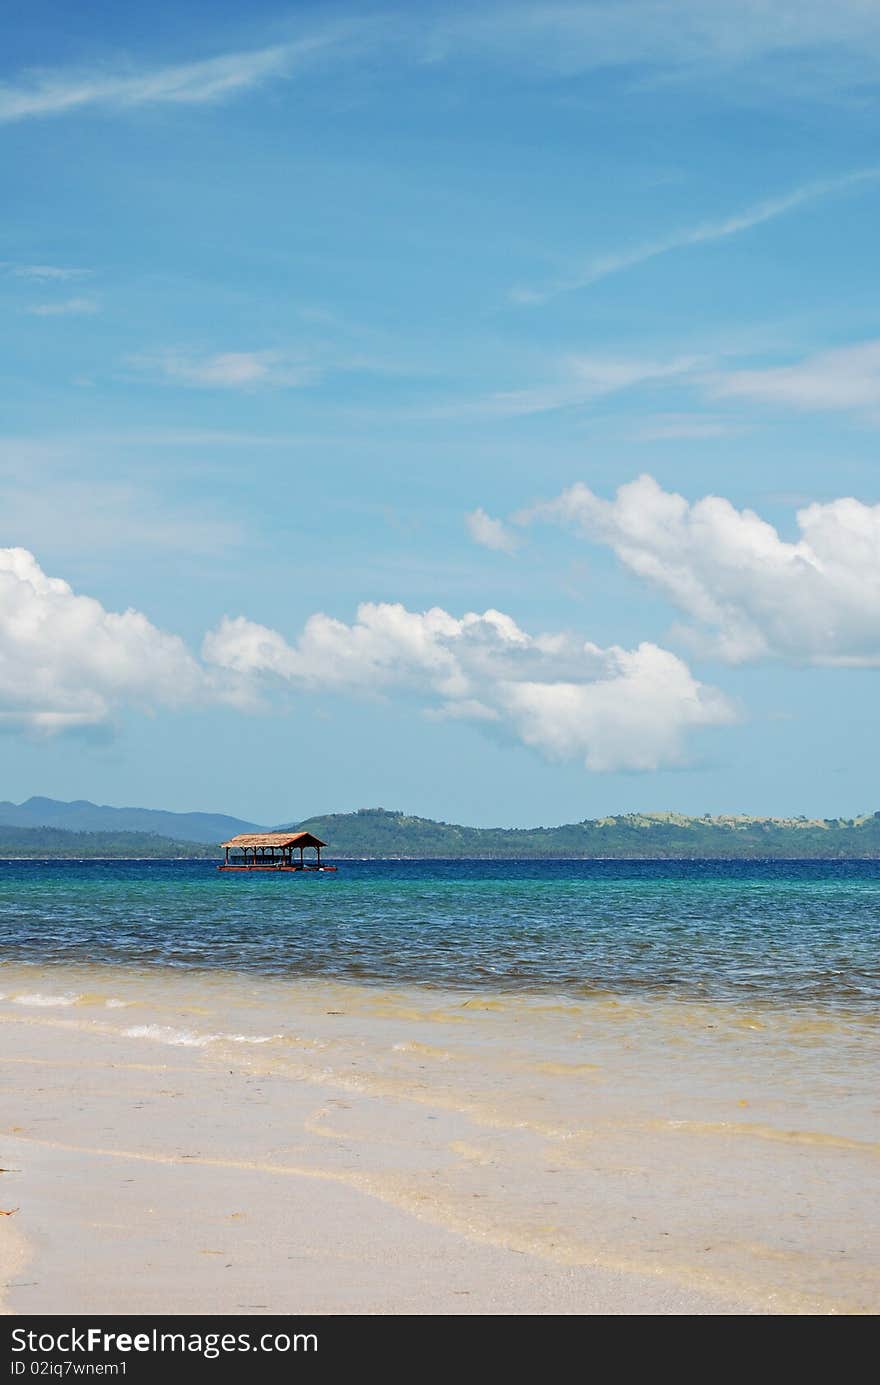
[288,870]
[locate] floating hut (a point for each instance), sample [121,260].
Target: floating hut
[273,851]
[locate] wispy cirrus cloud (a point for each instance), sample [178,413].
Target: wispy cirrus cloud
[227,370]
[117,518]
[682,428]
[575,380]
[47,93]
[46,273]
[845,378]
[746,52]
[303,361]
[824,49]
[68,307]
[579,35]
[704,232]
[119,509]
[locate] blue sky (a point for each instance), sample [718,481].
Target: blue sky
[316,315]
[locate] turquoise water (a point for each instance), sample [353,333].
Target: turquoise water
[754,932]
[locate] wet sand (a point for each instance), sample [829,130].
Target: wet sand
[217,1143]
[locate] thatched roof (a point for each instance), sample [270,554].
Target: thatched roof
[276,839]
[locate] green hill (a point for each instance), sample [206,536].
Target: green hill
[377,832]
[41,842]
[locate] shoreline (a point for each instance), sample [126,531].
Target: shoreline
[221,1142]
[513,860]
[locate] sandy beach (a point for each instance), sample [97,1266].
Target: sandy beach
[217,1143]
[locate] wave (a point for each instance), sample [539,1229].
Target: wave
[188,1038]
[44,1001]
[166,1034]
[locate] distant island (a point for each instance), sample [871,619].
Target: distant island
[383,834]
[83,816]
[653,836]
[55,843]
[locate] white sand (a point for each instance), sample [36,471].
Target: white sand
[412,1153]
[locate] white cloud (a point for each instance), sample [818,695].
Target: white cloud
[236,370]
[635,716]
[208,80]
[750,593]
[48,273]
[65,661]
[742,49]
[673,427]
[69,307]
[125,502]
[845,378]
[120,517]
[491,533]
[576,380]
[601,266]
[809,46]
[612,708]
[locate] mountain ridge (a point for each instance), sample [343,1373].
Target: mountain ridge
[380,832]
[81,815]
[384,833]
[54,843]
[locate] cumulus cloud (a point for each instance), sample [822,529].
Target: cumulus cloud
[845,378]
[611,708]
[634,715]
[750,593]
[66,662]
[490,533]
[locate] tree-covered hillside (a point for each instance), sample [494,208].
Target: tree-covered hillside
[377,832]
[36,843]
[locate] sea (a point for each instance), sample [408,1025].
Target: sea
[661,1068]
[761,933]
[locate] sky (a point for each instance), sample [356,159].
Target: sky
[468,410]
